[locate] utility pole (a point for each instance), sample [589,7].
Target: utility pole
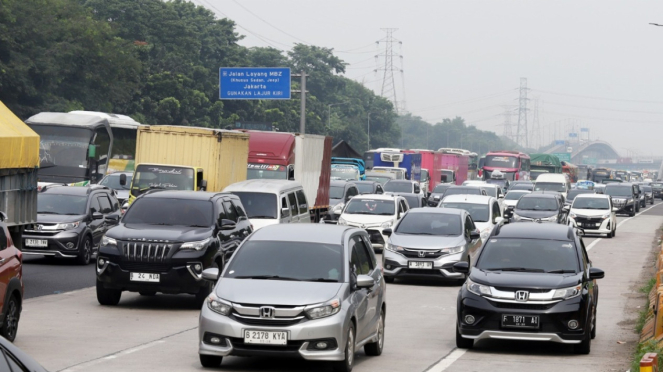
[302,114]
[388,89]
[521,132]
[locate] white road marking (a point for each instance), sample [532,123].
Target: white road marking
[447,361]
[592,244]
[112,356]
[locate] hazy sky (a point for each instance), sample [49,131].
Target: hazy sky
[595,64]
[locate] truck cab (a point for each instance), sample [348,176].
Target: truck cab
[164,177]
[348,169]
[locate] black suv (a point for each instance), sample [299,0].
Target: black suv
[530,282]
[625,196]
[541,206]
[164,242]
[71,221]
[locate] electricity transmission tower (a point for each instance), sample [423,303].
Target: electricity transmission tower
[521,132]
[508,129]
[536,128]
[392,62]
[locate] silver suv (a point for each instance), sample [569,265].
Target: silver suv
[311,291]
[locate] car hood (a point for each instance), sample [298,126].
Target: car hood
[534,214]
[426,241]
[333,202]
[58,218]
[366,219]
[510,203]
[262,222]
[590,212]
[171,233]
[122,194]
[483,225]
[275,292]
[520,280]
[434,194]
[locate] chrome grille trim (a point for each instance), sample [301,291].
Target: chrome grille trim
[137,252]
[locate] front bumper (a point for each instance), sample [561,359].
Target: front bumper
[395,265]
[589,226]
[378,239]
[300,337]
[553,319]
[57,243]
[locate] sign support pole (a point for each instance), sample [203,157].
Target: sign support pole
[302,119]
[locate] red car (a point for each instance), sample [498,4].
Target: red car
[11,283]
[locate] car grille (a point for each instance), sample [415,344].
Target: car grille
[280,316]
[376,237]
[412,253]
[45,229]
[238,344]
[144,267]
[146,251]
[267,322]
[505,305]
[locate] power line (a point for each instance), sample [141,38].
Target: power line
[269,24]
[428,108]
[597,98]
[358,48]
[606,109]
[625,121]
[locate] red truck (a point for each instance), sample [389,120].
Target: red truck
[436,164]
[305,158]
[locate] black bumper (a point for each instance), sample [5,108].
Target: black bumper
[57,244]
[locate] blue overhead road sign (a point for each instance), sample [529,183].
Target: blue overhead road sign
[254,83]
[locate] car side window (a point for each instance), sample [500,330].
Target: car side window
[284,204]
[293,204]
[239,208]
[417,189]
[378,190]
[354,259]
[405,206]
[94,205]
[496,211]
[303,204]
[469,226]
[222,212]
[114,202]
[364,256]
[3,239]
[352,191]
[231,213]
[105,204]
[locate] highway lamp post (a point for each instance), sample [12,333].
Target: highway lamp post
[368,129]
[329,112]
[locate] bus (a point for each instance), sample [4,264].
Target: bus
[73,148]
[514,165]
[125,130]
[600,174]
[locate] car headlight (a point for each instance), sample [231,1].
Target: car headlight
[218,305]
[341,221]
[196,245]
[105,240]
[322,311]
[386,225]
[394,248]
[566,293]
[572,215]
[338,208]
[605,215]
[67,226]
[629,200]
[550,219]
[453,250]
[478,289]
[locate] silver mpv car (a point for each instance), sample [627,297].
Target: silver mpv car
[312,291]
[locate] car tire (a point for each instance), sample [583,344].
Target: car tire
[210,361]
[85,255]
[375,348]
[609,235]
[347,363]
[147,293]
[107,296]
[632,212]
[614,232]
[10,325]
[205,290]
[389,279]
[462,342]
[594,326]
[585,346]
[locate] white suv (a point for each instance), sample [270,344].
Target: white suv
[485,210]
[594,213]
[374,213]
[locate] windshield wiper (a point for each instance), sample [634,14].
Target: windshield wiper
[519,269]
[267,277]
[271,217]
[47,212]
[198,226]
[72,214]
[561,271]
[321,280]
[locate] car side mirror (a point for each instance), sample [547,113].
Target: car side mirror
[596,273]
[475,234]
[113,217]
[123,179]
[211,274]
[498,220]
[227,224]
[566,208]
[285,212]
[365,281]
[3,216]
[461,267]
[615,209]
[387,232]
[203,185]
[97,216]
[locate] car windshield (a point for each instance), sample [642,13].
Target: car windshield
[439,189]
[515,195]
[523,186]
[447,175]
[370,206]
[479,212]
[491,191]
[657,186]
[462,191]
[364,188]
[345,173]
[148,177]
[550,186]
[430,224]
[535,255]
[61,204]
[646,188]
[382,180]
[591,203]
[281,260]
[501,161]
[336,192]
[573,193]
[625,191]
[392,186]
[258,204]
[537,204]
[113,181]
[170,212]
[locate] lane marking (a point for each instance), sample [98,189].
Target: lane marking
[447,361]
[592,244]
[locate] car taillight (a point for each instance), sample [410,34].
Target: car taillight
[517,175]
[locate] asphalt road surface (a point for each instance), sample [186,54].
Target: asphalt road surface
[69,331]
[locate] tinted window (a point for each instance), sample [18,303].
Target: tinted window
[102,141]
[479,212]
[537,204]
[284,205]
[301,199]
[62,204]
[365,188]
[624,191]
[231,213]
[514,195]
[501,161]
[258,205]
[535,254]
[573,193]
[105,204]
[303,261]
[550,186]
[523,186]
[94,205]
[591,203]
[440,188]
[352,191]
[363,258]
[462,191]
[336,192]
[157,211]
[430,224]
[3,238]
[370,206]
[293,204]
[239,208]
[398,186]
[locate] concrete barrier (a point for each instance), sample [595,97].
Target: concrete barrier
[649,363]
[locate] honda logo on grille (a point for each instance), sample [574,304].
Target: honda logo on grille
[39,227]
[267,312]
[522,295]
[422,254]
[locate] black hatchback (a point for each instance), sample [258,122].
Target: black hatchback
[531,282]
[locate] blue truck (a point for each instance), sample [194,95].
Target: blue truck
[404,166]
[348,169]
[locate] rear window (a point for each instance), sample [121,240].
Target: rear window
[515,195]
[258,204]
[533,255]
[365,188]
[462,191]
[537,204]
[398,187]
[440,188]
[430,224]
[180,212]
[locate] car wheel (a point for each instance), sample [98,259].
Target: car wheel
[594,325]
[585,346]
[147,293]
[86,253]
[389,279]
[614,232]
[632,212]
[210,361]
[462,342]
[106,296]
[205,290]
[375,348]
[10,325]
[609,235]
[347,364]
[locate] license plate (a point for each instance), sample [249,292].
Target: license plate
[145,277]
[265,337]
[419,265]
[520,321]
[36,243]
